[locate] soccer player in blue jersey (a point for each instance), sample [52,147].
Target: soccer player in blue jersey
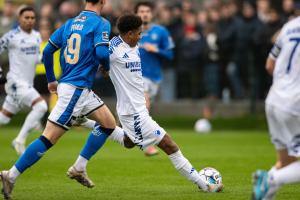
[83,41]
[155,44]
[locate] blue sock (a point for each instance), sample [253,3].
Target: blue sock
[95,141]
[33,153]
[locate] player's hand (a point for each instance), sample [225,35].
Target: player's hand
[104,72]
[52,87]
[150,47]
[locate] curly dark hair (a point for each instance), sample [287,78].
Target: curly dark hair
[128,22]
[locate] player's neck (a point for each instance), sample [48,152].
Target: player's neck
[26,30]
[91,7]
[127,40]
[147,26]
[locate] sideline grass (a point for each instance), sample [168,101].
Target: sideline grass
[122,174]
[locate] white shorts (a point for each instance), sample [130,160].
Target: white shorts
[19,94]
[141,129]
[284,129]
[150,87]
[73,103]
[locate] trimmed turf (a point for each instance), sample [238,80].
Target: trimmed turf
[128,175]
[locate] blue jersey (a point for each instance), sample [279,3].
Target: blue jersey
[78,39]
[151,62]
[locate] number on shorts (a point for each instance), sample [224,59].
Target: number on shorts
[72,50]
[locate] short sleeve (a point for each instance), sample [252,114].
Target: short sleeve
[102,32]
[4,41]
[56,39]
[276,49]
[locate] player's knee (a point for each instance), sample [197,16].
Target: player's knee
[40,106]
[128,143]
[4,119]
[168,145]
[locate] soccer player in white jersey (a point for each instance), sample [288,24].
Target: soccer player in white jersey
[139,128]
[283,113]
[23,44]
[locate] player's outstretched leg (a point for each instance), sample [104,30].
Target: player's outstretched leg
[95,141]
[184,166]
[31,121]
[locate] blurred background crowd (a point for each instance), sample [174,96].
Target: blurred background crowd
[221,45]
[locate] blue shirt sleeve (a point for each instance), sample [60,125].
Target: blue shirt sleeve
[102,33]
[56,39]
[48,61]
[102,53]
[166,45]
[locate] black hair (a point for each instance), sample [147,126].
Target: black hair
[144,3]
[26,8]
[128,22]
[92,1]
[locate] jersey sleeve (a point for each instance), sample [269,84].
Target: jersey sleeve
[276,49]
[167,42]
[4,41]
[56,39]
[102,32]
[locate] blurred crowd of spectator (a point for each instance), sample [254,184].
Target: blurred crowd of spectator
[221,46]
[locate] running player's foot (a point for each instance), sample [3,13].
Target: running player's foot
[80,176]
[215,187]
[7,186]
[151,151]
[18,146]
[262,190]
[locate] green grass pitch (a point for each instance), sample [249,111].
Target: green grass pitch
[121,174]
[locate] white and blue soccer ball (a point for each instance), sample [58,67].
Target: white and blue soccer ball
[202,126]
[211,176]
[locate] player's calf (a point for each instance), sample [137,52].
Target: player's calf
[168,145]
[128,143]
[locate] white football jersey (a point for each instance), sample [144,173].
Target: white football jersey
[285,90]
[23,51]
[126,75]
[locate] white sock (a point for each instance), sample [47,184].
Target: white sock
[286,175]
[32,120]
[88,124]
[272,170]
[117,135]
[13,174]
[80,163]
[186,169]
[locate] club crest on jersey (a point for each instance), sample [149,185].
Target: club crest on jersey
[154,36]
[105,36]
